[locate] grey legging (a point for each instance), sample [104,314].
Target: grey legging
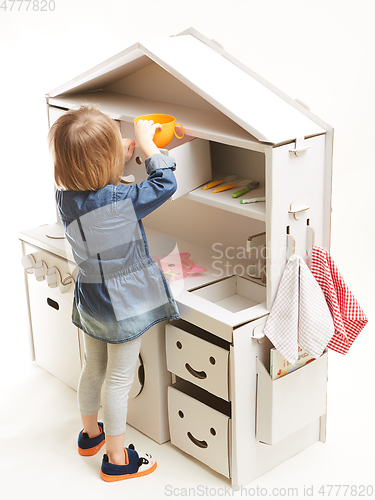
[114,363]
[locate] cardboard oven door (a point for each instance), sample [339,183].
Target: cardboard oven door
[193,165]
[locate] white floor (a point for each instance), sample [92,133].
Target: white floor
[40,423]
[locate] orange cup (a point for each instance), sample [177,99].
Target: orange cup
[163,137]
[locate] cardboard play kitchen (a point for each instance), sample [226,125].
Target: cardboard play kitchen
[203,381]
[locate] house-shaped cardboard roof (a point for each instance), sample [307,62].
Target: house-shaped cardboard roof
[193,78]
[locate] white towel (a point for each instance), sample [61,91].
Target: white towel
[299,314]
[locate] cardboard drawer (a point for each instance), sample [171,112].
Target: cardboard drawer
[287,404]
[193,165]
[197,360]
[198,427]
[222,305]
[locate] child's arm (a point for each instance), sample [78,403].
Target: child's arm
[161,183]
[155,190]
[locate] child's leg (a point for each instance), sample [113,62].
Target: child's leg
[90,383]
[122,360]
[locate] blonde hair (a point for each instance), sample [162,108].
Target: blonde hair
[87,150]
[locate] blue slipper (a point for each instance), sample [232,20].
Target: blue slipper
[87,446]
[136,465]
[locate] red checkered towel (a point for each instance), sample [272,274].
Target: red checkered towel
[347,314]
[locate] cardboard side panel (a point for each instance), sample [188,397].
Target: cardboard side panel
[250,290]
[218,290]
[29,324]
[291,178]
[152,399]
[263,405]
[291,402]
[193,161]
[54,113]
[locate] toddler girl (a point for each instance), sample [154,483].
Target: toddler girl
[120,292]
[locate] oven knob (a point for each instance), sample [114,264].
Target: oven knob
[53,277]
[40,270]
[66,283]
[28,263]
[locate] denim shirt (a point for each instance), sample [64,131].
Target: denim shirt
[120,292]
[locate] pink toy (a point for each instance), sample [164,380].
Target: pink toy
[177,266]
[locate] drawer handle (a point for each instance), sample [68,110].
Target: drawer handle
[200,444]
[53,303]
[193,372]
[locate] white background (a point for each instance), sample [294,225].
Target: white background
[321,51]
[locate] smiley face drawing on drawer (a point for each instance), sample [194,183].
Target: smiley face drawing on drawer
[198,429]
[198,361]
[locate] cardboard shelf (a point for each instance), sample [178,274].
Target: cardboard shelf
[196,122]
[225,201]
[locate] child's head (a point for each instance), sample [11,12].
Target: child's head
[87,149]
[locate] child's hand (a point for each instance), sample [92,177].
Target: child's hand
[144,132]
[129,145]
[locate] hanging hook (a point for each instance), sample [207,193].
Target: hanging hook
[290,244]
[310,239]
